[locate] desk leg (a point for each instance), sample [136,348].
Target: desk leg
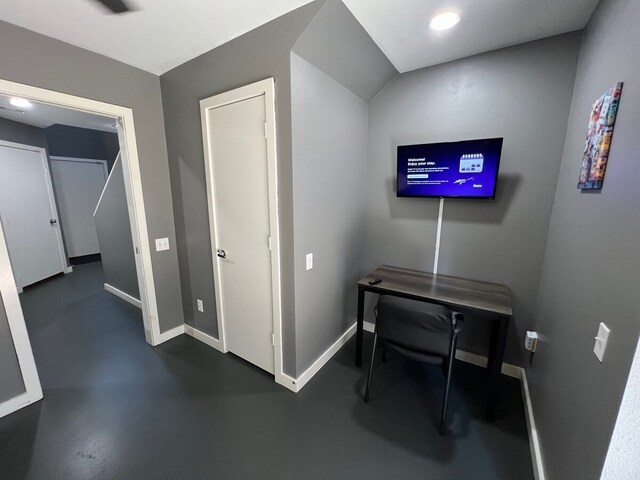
[360,326]
[496,356]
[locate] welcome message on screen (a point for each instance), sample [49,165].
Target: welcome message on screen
[460,169]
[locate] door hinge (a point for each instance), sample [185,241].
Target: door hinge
[265,130]
[137,251]
[273,339]
[269,242]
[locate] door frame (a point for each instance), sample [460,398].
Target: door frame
[66,268]
[123,117]
[267,88]
[19,334]
[104,163]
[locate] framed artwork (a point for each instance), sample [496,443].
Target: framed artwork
[599,133]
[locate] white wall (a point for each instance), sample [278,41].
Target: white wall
[623,457]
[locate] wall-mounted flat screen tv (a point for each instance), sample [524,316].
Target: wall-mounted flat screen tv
[467,169]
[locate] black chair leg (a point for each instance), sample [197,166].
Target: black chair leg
[443,417]
[373,356]
[384,355]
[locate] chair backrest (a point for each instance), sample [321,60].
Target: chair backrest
[415,325]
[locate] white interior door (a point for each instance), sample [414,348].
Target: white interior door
[241,211]
[79,183]
[28,213]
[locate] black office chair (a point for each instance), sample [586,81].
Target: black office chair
[421,331]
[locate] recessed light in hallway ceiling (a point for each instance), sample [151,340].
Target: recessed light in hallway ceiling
[444,21]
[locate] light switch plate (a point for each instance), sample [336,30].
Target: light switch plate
[601,341]
[162,244]
[200,305]
[309,261]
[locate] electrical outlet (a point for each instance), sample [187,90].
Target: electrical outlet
[531,341]
[162,244]
[200,305]
[309,261]
[601,341]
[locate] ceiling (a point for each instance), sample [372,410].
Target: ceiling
[158,36]
[399,27]
[42,115]
[162,34]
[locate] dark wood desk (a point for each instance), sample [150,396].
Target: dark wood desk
[459,294]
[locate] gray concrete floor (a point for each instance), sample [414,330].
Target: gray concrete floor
[116,408]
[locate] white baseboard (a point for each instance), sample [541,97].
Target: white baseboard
[520,374]
[169,334]
[280,378]
[124,296]
[68,269]
[295,385]
[287,382]
[515,372]
[468,357]
[204,337]
[534,441]
[324,358]
[482,361]
[16,403]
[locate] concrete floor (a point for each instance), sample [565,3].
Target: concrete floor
[116,408]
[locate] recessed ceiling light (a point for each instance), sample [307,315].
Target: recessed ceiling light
[20,102]
[444,21]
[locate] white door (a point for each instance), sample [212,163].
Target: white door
[241,212]
[28,213]
[79,184]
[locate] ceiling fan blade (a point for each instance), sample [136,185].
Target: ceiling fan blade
[115,6]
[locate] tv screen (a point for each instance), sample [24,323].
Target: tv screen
[467,169]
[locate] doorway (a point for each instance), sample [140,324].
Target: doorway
[123,119]
[31,161]
[240,163]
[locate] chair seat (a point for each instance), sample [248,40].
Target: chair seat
[417,329]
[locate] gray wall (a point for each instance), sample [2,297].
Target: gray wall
[16,132]
[259,54]
[114,235]
[11,384]
[591,268]
[66,141]
[327,34]
[35,59]
[520,93]
[340,47]
[329,154]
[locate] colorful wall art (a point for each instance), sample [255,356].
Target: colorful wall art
[599,134]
